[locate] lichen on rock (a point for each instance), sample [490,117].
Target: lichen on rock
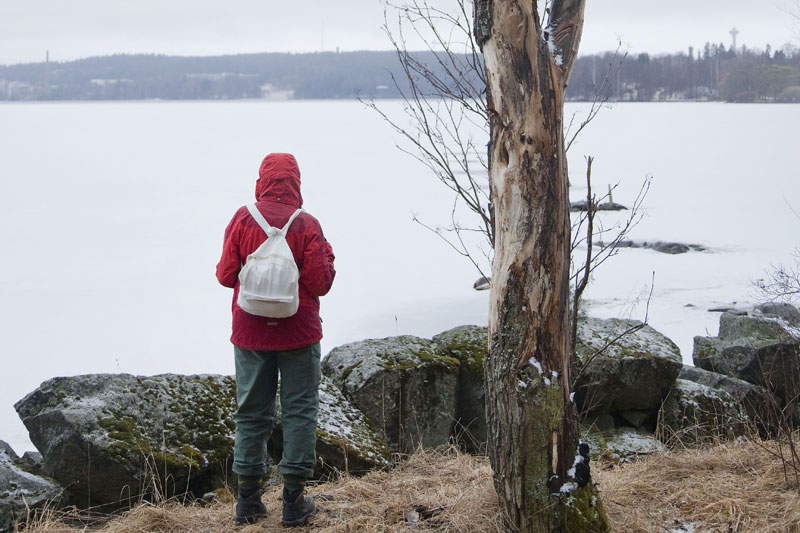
[762,351]
[22,492]
[695,413]
[110,438]
[620,445]
[470,345]
[404,385]
[619,371]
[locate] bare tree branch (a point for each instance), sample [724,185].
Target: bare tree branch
[601,96]
[782,282]
[580,286]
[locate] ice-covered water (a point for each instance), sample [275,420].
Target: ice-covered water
[111,219]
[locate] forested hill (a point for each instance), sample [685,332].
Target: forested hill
[277,75]
[713,74]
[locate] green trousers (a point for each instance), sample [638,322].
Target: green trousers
[256,387]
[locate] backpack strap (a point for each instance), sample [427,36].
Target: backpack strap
[269,230]
[259,218]
[291,219]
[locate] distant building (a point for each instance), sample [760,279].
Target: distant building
[270,92]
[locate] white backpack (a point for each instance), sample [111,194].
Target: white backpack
[269,279]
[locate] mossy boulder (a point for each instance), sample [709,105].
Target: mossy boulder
[785,311]
[694,413]
[346,441]
[759,404]
[623,373]
[620,444]
[760,350]
[470,345]
[22,492]
[111,438]
[404,385]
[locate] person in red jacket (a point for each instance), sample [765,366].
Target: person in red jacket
[266,347]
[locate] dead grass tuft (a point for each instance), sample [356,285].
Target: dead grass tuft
[447,491]
[730,488]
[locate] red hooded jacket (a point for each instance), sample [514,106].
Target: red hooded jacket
[278,196]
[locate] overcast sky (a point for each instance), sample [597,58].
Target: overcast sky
[81,28]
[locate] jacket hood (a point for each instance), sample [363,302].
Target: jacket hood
[279,180]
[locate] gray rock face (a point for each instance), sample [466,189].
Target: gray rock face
[620,445]
[109,438]
[19,488]
[115,436]
[470,345]
[758,403]
[694,412]
[633,375]
[403,385]
[758,350]
[787,312]
[671,247]
[32,462]
[659,246]
[345,440]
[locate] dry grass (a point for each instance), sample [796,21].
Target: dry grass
[456,489]
[731,488]
[727,488]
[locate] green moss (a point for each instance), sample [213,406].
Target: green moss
[583,512]
[124,424]
[704,350]
[190,451]
[224,495]
[338,442]
[202,410]
[442,361]
[347,447]
[468,344]
[598,445]
[349,370]
[470,356]
[417,360]
[394,365]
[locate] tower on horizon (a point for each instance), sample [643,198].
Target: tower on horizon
[46,80]
[734,32]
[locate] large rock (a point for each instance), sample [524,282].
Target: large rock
[345,440]
[22,491]
[758,403]
[628,375]
[113,435]
[759,350]
[111,438]
[468,344]
[404,385]
[620,445]
[785,311]
[694,413]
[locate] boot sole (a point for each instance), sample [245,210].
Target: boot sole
[300,521]
[248,520]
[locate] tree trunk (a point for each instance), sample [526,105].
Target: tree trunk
[541,476]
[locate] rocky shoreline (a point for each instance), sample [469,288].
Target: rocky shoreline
[109,441]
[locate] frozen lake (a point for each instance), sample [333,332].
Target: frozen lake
[111,221]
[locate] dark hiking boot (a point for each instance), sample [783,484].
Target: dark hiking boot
[297,508]
[249,507]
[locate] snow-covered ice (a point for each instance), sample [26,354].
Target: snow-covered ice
[111,221]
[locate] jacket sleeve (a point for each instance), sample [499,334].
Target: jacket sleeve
[318,271]
[230,263]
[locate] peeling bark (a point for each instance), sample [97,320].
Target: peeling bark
[532,429]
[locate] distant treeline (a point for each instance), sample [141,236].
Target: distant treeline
[714,73]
